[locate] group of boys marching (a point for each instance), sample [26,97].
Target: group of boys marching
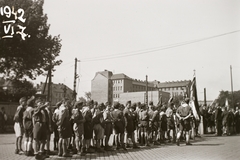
[86,127]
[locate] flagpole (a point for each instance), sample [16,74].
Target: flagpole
[231,85]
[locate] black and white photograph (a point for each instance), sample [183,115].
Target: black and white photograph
[119,79]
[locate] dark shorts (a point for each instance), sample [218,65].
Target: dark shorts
[108,128]
[143,126]
[118,127]
[39,131]
[88,130]
[65,132]
[170,124]
[163,126]
[185,125]
[28,133]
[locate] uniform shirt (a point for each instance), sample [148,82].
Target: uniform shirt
[62,114]
[107,117]
[55,116]
[143,115]
[27,117]
[77,116]
[184,110]
[20,114]
[169,112]
[117,115]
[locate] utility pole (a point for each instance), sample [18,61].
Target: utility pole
[50,81]
[50,77]
[75,78]
[205,100]
[146,89]
[231,85]
[64,90]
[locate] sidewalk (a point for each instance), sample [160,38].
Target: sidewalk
[207,147]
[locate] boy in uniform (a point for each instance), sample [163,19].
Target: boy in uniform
[18,125]
[28,126]
[184,113]
[78,128]
[108,127]
[119,126]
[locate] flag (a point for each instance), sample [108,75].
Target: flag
[160,101]
[193,99]
[170,100]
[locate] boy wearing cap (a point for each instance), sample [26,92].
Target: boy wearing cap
[64,127]
[28,126]
[78,128]
[108,127]
[170,122]
[48,113]
[135,124]
[119,126]
[129,124]
[144,125]
[88,129]
[184,113]
[55,118]
[98,127]
[18,125]
[39,130]
[153,122]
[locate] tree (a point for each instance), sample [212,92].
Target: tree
[223,95]
[88,95]
[30,56]
[16,90]
[82,99]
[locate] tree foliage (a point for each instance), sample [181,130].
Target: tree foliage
[16,90]
[30,57]
[223,95]
[82,99]
[88,95]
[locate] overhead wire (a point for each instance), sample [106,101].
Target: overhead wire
[144,51]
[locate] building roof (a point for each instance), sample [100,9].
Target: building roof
[107,74]
[57,87]
[174,84]
[120,76]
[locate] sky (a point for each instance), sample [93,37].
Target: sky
[164,39]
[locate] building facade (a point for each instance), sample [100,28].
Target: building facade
[175,88]
[153,96]
[57,93]
[101,87]
[109,87]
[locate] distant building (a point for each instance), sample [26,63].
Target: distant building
[122,84]
[57,93]
[109,87]
[153,96]
[101,87]
[175,88]
[208,103]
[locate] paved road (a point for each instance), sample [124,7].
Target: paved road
[204,148]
